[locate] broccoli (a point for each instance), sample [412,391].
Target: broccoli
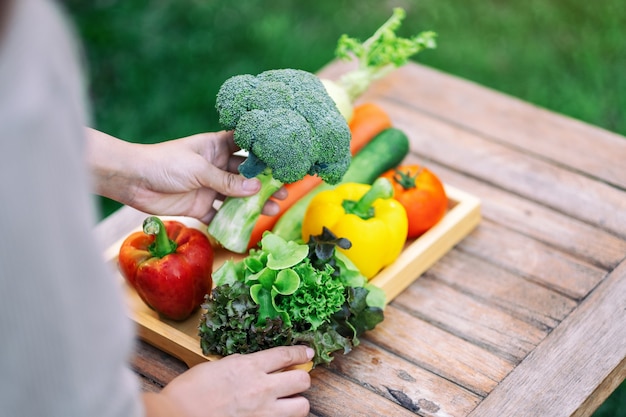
[290,127]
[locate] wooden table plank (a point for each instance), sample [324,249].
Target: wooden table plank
[527,175]
[580,239]
[439,351]
[520,124]
[155,367]
[503,118]
[606,387]
[492,285]
[389,376]
[469,318]
[556,378]
[333,396]
[527,257]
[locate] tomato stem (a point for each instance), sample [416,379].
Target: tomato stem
[405,179]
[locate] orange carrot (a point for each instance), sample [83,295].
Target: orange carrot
[367,121]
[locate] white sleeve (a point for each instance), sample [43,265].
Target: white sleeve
[65,339]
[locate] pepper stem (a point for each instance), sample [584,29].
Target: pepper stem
[162,244]
[381,188]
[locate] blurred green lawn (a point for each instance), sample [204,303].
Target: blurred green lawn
[155,66]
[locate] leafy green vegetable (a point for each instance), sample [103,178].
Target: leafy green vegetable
[288,293]
[322,248]
[316,300]
[267,271]
[283,254]
[229,324]
[325,342]
[380,54]
[322,251]
[376,57]
[355,316]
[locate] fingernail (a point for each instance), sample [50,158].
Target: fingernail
[310,353]
[251,185]
[271,210]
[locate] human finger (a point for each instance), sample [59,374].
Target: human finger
[281,357]
[210,214]
[293,407]
[281,194]
[225,137]
[228,183]
[270,208]
[290,383]
[233,163]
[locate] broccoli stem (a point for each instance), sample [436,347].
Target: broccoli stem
[232,225]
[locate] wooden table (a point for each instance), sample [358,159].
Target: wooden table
[527,315]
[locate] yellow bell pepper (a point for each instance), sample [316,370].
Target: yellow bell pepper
[368,216]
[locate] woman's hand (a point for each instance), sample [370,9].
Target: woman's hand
[178,177]
[239,385]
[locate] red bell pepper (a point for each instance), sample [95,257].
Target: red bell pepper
[169,265]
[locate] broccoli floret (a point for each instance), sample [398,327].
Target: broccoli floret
[288,121]
[290,127]
[271,142]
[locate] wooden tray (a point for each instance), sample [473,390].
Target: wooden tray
[181,340]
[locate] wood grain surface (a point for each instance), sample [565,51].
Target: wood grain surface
[526,316]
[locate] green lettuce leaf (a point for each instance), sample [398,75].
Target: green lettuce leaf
[285,293]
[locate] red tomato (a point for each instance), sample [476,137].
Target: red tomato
[422,195]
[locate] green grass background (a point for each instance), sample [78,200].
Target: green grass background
[156,65]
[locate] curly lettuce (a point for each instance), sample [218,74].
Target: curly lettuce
[229,323]
[285,293]
[317,298]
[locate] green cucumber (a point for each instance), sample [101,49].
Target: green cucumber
[382,153]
